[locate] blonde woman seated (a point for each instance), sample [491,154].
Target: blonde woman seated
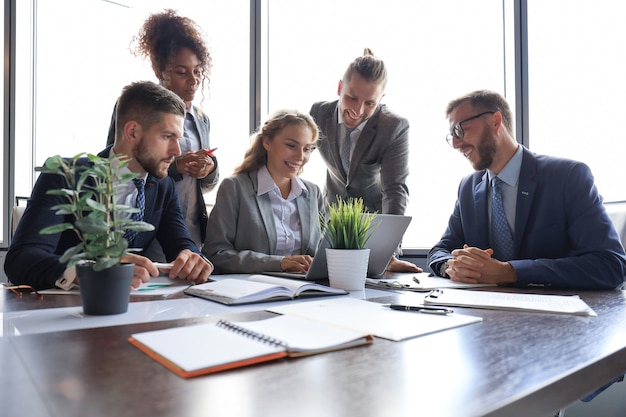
[265,217]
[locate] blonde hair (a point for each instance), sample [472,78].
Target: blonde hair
[256,155]
[368,66]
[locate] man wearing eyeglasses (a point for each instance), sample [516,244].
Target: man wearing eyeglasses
[522,219]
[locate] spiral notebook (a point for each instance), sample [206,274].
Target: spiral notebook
[207,348]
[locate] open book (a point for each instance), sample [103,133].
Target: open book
[207,348]
[564,304]
[258,288]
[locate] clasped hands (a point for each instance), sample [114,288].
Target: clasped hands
[477,266]
[195,164]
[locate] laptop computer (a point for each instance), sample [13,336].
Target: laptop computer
[382,244]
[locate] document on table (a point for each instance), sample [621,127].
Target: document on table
[374,318]
[160,286]
[421,282]
[563,304]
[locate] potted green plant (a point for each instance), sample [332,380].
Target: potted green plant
[347,227]
[99,223]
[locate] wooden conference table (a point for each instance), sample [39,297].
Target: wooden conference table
[510,364]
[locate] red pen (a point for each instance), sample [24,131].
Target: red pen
[210,152]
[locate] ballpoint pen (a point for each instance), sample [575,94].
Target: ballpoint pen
[152,287]
[209,152]
[420,309]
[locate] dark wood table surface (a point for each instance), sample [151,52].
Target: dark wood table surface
[511,364]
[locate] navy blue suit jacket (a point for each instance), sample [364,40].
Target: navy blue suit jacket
[204,185]
[33,259]
[563,235]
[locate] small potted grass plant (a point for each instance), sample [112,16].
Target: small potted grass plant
[88,205]
[347,227]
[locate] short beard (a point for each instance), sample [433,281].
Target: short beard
[142,155]
[486,151]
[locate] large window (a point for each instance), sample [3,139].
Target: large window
[69,75]
[577,62]
[434,51]
[81,66]
[5,117]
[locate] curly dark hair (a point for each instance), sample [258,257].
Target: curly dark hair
[163,34]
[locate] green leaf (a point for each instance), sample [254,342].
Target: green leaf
[346,226]
[128,176]
[57,228]
[91,225]
[71,253]
[139,226]
[96,206]
[63,192]
[105,263]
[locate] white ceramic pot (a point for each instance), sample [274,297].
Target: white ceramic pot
[347,268]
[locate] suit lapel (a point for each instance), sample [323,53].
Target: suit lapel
[265,209]
[364,143]
[332,129]
[201,127]
[307,215]
[525,195]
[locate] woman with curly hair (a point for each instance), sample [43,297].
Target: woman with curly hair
[181,61]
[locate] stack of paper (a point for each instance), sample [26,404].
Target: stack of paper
[564,304]
[374,318]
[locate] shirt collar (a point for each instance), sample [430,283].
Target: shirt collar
[510,173]
[341,122]
[267,184]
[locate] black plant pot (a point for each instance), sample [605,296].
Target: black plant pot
[105,292]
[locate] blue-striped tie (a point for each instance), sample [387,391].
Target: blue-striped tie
[140,203]
[501,235]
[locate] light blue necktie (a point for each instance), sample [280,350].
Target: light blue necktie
[501,235]
[344,151]
[140,203]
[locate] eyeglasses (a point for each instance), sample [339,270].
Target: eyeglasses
[16,289]
[457,130]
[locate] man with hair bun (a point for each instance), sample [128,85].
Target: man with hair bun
[364,144]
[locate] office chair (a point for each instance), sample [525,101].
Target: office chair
[17,212]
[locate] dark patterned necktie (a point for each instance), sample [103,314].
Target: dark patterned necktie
[500,231]
[140,203]
[344,151]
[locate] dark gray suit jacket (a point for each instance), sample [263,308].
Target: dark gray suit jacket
[380,162]
[241,235]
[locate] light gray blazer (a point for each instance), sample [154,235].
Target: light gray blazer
[241,233]
[380,161]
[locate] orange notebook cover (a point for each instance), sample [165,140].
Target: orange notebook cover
[207,348]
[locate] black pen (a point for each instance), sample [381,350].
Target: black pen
[420,309]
